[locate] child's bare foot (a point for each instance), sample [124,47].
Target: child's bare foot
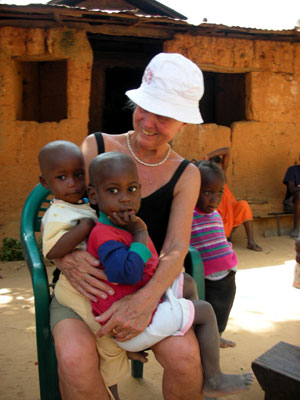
[225,384]
[139,356]
[253,246]
[225,343]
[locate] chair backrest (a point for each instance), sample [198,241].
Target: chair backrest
[36,204]
[31,223]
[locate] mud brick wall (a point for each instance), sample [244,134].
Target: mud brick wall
[268,141]
[23,52]
[263,144]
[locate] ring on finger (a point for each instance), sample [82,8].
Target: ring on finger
[114,331]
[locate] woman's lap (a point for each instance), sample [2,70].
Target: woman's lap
[72,335]
[177,354]
[59,313]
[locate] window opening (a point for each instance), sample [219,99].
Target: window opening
[224,98]
[42,91]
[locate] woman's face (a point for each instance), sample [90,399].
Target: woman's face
[155,129]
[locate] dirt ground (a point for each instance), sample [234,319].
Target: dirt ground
[266,311]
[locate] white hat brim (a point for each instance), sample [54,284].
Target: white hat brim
[189,113]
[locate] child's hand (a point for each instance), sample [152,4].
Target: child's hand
[128,221]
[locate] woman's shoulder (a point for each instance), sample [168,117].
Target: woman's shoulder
[100,142]
[190,170]
[89,146]
[189,180]
[114,142]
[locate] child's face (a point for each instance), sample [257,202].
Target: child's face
[211,193]
[117,190]
[65,177]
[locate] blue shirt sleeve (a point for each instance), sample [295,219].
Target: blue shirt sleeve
[289,176]
[122,264]
[292,174]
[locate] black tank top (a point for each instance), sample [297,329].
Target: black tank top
[155,208]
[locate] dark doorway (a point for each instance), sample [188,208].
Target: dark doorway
[118,66]
[117,117]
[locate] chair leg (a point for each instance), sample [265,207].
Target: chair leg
[137,368]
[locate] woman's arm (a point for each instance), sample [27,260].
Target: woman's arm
[176,243]
[132,314]
[89,151]
[81,270]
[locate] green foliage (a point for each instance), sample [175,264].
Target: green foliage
[11,250]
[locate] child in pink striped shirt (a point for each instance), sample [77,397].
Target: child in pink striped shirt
[208,237]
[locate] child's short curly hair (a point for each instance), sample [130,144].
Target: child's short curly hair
[208,166]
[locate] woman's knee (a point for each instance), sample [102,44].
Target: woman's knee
[180,354]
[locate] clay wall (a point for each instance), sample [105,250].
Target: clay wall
[268,141]
[263,145]
[22,134]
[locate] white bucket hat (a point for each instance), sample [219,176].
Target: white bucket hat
[172,86]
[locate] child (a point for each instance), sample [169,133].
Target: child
[69,219]
[291,202]
[128,257]
[209,238]
[233,212]
[66,226]
[114,187]
[120,240]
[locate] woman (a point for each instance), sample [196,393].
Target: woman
[167,100]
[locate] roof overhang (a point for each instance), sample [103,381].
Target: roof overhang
[126,23]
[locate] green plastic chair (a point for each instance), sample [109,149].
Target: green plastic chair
[34,208]
[30,224]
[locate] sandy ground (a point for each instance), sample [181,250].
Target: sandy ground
[266,311]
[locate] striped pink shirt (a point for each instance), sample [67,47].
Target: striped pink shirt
[208,237]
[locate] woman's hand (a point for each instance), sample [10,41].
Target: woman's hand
[127,317]
[80,268]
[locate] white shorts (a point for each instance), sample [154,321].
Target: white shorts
[173,317]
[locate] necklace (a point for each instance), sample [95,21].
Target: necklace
[142,162]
